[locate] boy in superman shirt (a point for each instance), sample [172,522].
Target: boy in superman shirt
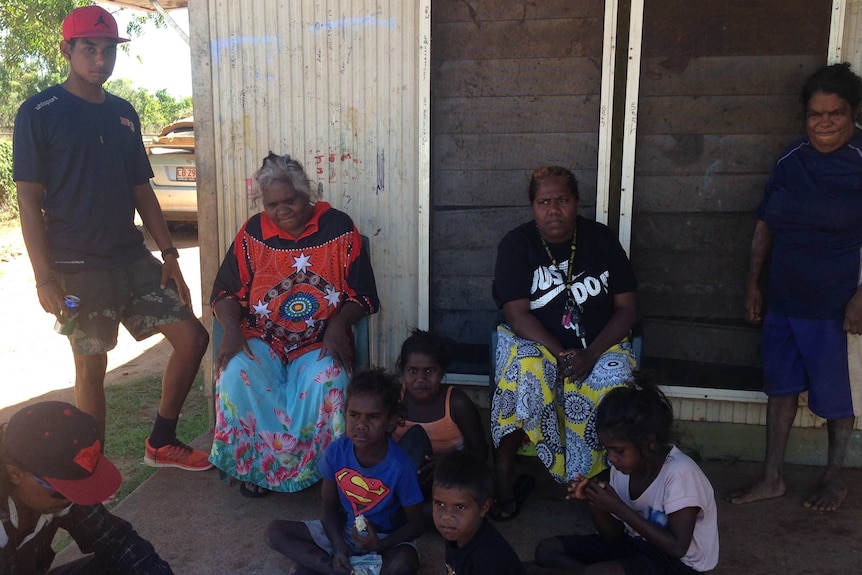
[364,473]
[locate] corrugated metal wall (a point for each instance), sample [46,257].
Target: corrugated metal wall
[342,86]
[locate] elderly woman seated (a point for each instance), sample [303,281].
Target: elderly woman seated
[568,295]
[292,284]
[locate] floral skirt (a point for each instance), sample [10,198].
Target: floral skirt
[558,417]
[273,421]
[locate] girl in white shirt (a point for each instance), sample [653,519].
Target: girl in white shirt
[657,513]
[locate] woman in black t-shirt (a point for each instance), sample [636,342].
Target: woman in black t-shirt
[567,291]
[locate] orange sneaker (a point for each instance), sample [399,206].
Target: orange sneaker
[177,455]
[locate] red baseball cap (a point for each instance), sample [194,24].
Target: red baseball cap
[60,443]
[91,22]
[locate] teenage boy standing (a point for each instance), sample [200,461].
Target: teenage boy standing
[81,171]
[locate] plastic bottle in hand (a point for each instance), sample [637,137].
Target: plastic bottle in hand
[65,325]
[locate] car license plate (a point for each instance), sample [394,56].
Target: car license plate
[186,174]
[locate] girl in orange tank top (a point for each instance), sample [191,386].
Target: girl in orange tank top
[446,414]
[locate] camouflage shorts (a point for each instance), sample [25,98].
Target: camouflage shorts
[131,295]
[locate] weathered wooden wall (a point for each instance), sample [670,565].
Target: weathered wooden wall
[515,85]
[718,102]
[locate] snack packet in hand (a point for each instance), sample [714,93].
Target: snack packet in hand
[369,564]
[361,524]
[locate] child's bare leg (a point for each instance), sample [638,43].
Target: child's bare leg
[832,491]
[780,412]
[400,560]
[90,386]
[504,468]
[292,539]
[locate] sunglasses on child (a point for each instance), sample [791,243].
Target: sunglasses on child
[53,492]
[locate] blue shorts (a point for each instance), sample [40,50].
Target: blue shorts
[814,355]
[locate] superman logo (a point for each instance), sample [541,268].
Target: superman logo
[363,493]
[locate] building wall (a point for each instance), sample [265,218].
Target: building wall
[718,101]
[514,86]
[345,86]
[341,85]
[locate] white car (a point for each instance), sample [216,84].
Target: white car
[172,156]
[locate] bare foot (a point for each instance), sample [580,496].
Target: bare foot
[829,496]
[758,491]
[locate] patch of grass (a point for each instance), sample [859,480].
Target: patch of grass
[8,193]
[131,410]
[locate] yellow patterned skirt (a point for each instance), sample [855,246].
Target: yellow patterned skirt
[558,417]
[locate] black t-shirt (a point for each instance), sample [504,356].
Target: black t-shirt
[601,270]
[486,554]
[89,157]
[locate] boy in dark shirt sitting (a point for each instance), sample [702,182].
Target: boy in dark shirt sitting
[461,497]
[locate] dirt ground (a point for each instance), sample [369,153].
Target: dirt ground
[201,526]
[774,537]
[36,361]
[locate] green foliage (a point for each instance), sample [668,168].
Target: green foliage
[8,194]
[31,33]
[30,60]
[156,110]
[131,409]
[17,87]
[31,30]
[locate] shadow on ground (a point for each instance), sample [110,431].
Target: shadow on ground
[133,370]
[202,526]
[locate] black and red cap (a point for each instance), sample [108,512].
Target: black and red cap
[60,443]
[91,22]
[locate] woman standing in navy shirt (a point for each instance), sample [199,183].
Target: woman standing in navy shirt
[809,229]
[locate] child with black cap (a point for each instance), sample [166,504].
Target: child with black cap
[52,475]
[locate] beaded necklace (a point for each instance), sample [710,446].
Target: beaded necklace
[572,310]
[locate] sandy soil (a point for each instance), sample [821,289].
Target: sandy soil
[35,360]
